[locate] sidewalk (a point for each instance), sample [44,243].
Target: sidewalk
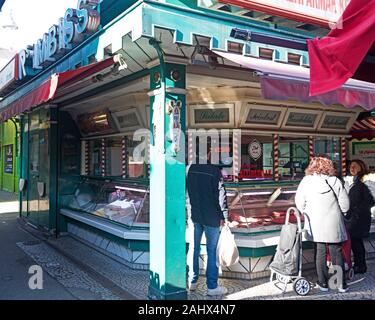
[74,270]
[8,202]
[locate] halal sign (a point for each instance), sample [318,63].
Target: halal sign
[255,149]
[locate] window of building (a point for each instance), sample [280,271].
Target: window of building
[256,157]
[330,147]
[293,157]
[113,147]
[95,157]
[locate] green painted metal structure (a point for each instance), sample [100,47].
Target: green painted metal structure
[167,182]
[127,28]
[9,156]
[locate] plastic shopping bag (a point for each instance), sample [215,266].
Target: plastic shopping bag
[227,251]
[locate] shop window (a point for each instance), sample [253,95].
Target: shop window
[265,53]
[293,157]
[95,157]
[294,58]
[135,165]
[235,47]
[92,59]
[329,147]
[113,152]
[256,157]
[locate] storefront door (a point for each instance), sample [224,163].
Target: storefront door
[38,187]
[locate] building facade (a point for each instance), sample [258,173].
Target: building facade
[113,112]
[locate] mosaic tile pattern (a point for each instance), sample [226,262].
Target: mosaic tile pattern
[75,280]
[136,281]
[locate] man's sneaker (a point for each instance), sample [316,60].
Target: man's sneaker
[343,289]
[322,287]
[218,291]
[192,286]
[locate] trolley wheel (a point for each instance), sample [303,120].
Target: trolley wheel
[350,274]
[282,278]
[301,286]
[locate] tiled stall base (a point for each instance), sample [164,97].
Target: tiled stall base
[246,268]
[133,259]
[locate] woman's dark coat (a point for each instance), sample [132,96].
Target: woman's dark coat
[361,201]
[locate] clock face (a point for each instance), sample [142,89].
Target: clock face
[255,149]
[226,160]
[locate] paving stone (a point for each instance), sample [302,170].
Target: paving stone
[76,281]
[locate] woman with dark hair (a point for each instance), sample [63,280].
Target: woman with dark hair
[322,198]
[359,221]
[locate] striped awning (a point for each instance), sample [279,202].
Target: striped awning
[364,124]
[363,128]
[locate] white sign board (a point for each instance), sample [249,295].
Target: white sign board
[8,74]
[319,10]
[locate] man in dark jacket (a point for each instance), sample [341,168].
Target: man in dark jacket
[207,197]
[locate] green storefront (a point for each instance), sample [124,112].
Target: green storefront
[9,156]
[109,123]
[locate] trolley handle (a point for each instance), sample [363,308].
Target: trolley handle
[297,215]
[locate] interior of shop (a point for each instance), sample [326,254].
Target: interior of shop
[263,154]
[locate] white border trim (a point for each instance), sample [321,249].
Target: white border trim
[319,114]
[213,106]
[262,107]
[352,117]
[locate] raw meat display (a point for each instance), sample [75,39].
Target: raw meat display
[252,209]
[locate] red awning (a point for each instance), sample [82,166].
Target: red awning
[56,86]
[336,57]
[363,129]
[281,81]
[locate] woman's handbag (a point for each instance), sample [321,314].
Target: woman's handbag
[346,216]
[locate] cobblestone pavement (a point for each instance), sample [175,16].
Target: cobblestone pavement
[136,281]
[76,281]
[67,260]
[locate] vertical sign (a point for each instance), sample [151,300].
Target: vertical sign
[8,159]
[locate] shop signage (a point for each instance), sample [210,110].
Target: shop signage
[8,160]
[301,119]
[364,151]
[9,74]
[335,122]
[220,115]
[60,38]
[255,149]
[322,12]
[258,116]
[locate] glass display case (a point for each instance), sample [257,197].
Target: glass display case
[260,208]
[119,201]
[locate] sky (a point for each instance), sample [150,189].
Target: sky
[22,22]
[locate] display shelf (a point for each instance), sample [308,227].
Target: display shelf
[120,201]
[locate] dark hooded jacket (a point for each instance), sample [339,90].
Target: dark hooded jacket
[361,201]
[207,195]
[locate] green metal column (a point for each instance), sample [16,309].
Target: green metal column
[53,158]
[167,181]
